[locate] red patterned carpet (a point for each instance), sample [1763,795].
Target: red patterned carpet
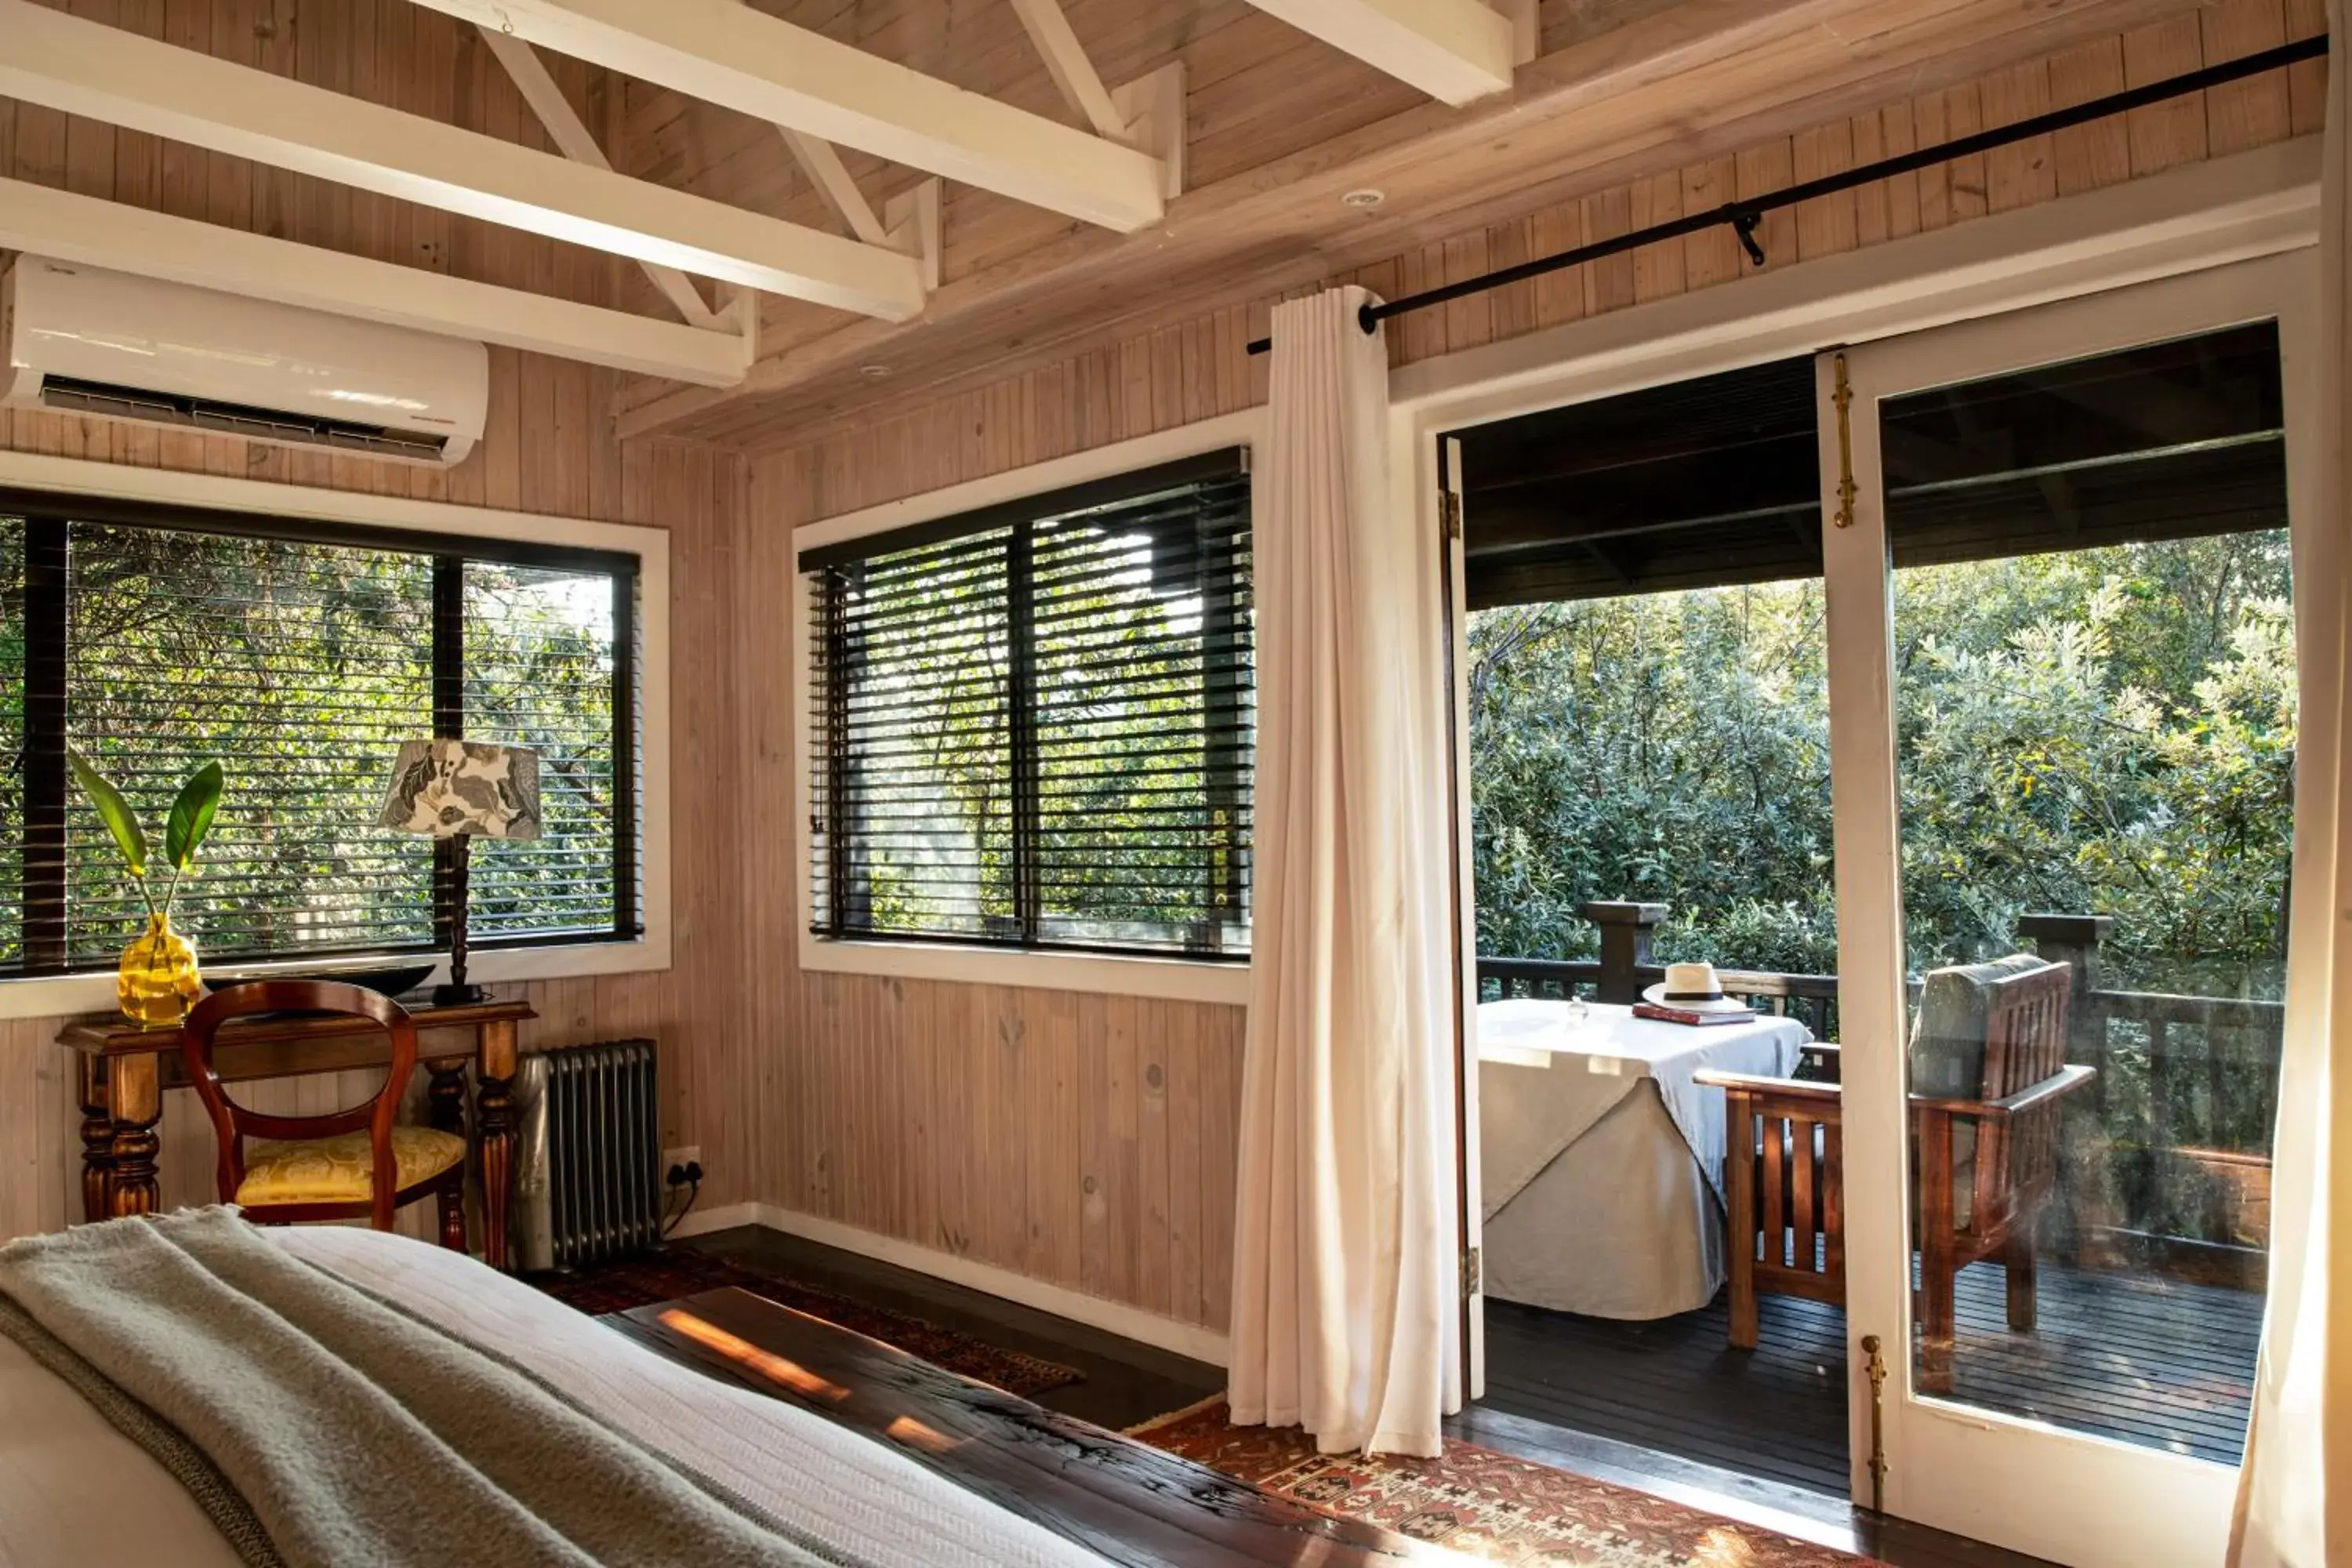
[1485,1504]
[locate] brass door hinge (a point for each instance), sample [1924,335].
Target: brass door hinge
[1473,1264]
[1449,512]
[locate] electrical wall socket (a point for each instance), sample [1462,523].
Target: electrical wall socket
[689,1155]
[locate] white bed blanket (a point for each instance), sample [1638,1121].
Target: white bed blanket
[73,1492]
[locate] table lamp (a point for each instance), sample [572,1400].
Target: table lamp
[460,791]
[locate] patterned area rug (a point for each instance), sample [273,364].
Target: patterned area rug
[1485,1504]
[676,1271]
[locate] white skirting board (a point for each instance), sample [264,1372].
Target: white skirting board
[1111,1317]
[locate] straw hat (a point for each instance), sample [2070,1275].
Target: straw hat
[1694,988]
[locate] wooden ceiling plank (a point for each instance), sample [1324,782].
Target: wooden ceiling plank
[562,122]
[727,53]
[820,161]
[1687,86]
[1037,294]
[1454,50]
[95,232]
[1065,61]
[106,74]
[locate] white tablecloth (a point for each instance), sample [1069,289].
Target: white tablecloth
[1600,1161]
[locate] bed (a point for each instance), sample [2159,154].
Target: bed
[76,1491]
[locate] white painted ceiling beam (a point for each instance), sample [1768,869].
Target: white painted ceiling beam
[820,161]
[1065,61]
[95,232]
[1453,50]
[538,86]
[728,53]
[105,73]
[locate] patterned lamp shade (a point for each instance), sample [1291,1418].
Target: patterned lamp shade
[450,787]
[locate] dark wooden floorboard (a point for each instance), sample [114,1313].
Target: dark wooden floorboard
[2158,1362]
[1127,1503]
[1126,1383]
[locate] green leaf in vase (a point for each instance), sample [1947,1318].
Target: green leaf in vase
[192,816]
[114,811]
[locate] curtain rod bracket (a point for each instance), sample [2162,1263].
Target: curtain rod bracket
[1745,224]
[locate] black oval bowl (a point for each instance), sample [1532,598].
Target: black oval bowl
[391,981]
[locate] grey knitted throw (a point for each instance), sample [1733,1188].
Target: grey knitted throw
[319,1424]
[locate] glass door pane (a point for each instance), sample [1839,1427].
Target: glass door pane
[2095,726]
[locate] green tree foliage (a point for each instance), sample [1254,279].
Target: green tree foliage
[302,667]
[1130,636]
[2105,731]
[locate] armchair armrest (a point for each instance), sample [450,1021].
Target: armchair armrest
[2064,1081]
[1760,1083]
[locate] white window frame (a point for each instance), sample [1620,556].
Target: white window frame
[51,995]
[1172,978]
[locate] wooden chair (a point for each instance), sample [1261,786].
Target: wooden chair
[1984,1167]
[351,1164]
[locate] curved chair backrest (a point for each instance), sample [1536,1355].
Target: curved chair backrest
[233,1123]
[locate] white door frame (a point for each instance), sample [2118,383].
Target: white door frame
[2187,219]
[2023,1484]
[1470,1200]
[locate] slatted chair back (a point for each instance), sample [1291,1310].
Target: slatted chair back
[1785,1171]
[233,1123]
[2025,1043]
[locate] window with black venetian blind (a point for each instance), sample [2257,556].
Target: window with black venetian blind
[300,656]
[1032,725]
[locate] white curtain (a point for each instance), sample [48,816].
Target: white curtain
[1345,1317]
[2295,1493]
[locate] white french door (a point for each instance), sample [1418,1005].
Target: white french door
[2088,457]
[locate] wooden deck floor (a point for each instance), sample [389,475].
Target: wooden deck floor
[2158,1362]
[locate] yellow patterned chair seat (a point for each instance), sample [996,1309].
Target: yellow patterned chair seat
[342,1169]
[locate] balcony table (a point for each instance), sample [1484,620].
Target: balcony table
[1601,1162]
[122,1070]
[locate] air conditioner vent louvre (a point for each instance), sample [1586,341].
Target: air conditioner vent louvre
[233,419]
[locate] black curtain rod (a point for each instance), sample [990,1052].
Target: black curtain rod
[1745,216]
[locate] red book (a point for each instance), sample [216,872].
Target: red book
[1685,1015]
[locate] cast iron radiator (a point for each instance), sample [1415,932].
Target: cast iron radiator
[588,1178]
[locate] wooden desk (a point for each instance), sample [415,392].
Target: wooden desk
[121,1071]
[1127,1500]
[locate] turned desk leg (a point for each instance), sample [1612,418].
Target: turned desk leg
[134,1103]
[494,1117]
[97,1136]
[445,1098]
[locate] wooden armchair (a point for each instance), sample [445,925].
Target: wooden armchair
[351,1164]
[1983,1167]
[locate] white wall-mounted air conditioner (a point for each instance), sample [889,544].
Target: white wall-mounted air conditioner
[87,340]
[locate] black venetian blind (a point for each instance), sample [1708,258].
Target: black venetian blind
[300,657]
[1032,725]
[12,741]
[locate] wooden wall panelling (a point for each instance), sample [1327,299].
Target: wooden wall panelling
[1087,1140]
[708,1041]
[548,448]
[1091,1141]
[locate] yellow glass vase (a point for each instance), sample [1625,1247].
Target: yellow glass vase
[157,983]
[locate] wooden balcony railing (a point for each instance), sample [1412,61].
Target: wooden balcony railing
[2186,1095]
